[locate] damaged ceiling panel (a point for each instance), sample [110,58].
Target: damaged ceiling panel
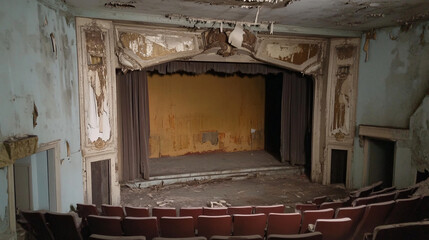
[356,15]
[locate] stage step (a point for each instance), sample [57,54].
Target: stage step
[215,175]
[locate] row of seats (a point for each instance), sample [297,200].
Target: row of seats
[357,221]
[307,236]
[363,196]
[119,211]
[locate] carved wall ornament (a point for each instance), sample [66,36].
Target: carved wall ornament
[215,38]
[128,59]
[138,48]
[342,103]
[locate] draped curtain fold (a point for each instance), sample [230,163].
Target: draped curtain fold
[296,118]
[134,110]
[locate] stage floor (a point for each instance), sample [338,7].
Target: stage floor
[208,162]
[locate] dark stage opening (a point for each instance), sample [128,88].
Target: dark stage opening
[273,109]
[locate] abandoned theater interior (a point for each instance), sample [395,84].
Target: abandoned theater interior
[101,100]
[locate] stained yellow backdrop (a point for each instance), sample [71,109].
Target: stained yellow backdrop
[186,110]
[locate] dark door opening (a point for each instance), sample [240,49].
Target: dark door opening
[380,162]
[338,166]
[273,108]
[100,182]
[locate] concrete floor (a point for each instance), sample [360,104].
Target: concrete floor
[207,162]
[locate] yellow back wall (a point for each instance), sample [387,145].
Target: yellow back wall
[204,113]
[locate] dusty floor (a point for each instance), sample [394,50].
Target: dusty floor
[260,190]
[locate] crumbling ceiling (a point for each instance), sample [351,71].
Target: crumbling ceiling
[353,15]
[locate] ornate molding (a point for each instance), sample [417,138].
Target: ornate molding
[140,47]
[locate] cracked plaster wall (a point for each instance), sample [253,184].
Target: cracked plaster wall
[392,84]
[31,73]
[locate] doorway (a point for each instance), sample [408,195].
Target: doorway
[34,178]
[380,161]
[338,166]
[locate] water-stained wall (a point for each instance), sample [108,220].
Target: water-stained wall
[392,84]
[202,113]
[38,70]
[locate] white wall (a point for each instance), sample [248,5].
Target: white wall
[31,73]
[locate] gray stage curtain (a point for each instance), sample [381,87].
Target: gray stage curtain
[134,112]
[203,67]
[296,118]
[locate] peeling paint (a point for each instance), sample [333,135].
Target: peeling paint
[371,35]
[345,52]
[293,53]
[419,127]
[120,4]
[35,115]
[152,46]
[98,126]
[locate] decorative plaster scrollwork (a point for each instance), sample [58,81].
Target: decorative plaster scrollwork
[128,59]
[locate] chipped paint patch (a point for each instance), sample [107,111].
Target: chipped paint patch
[120,4]
[153,46]
[98,126]
[293,53]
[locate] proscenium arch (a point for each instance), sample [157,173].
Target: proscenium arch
[140,46]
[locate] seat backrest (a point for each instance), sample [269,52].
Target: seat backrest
[137,212]
[193,212]
[403,210]
[283,223]
[249,224]
[386,197]
[209,226]
[36,220]
[177,227]
[364,200]
[63,226]
[411,230]
[185,238]
[240,210]
[280,208]
[140,226]
[105,225]
[384,190]
[247,237]
[301,207]
[84,210]
[215,211]
[160,212]
[377,186]
[104,237]
[422,211]
[404,193]
[334,229]
[319,200]
[112,211]
[310,217]
[303,236]
[375,214]
[333,205]
[354,213]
